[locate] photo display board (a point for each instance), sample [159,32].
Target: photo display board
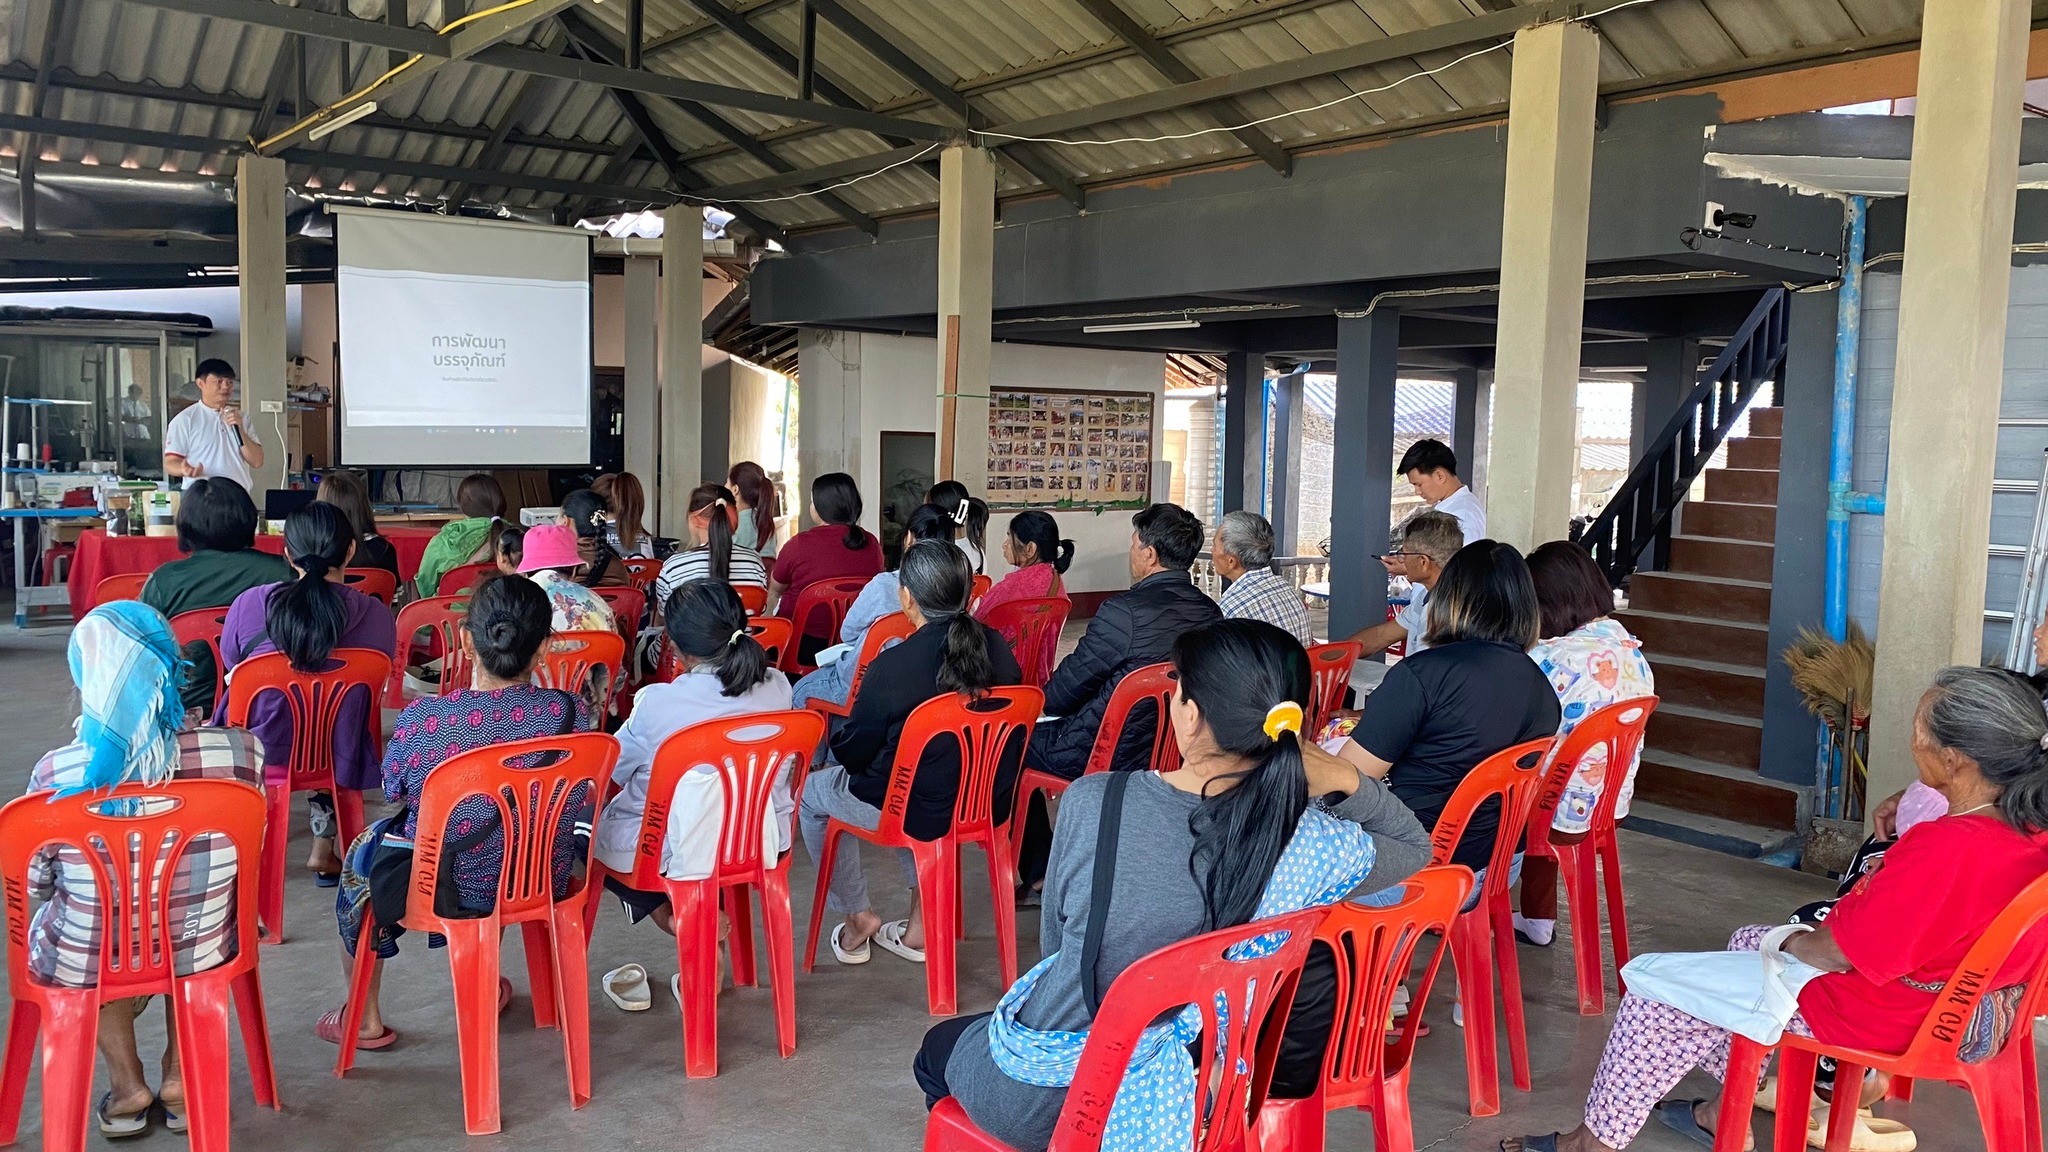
[1061,448]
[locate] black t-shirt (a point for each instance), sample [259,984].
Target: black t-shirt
[1442,711]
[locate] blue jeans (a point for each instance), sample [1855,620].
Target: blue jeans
[1387,897]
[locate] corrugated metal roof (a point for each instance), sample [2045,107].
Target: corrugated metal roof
[1015,59]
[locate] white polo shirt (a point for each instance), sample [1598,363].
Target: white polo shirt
[1467,509]
[202,437]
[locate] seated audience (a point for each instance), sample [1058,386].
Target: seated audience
[1886,950]
[1472,693]
[502,635]
[1227,837]
[949,652]
[346,491]
[1428,540]
[131,730]
[511,549]
[1591,662]
[1244,556]
[1129,631]
[831,682]
[469,540]
[760,507]
[307,619]
[969,515]
[586,512]
[1038,561]
[548,555]
[626,501]
[1432,469]
[217,533]
[717,555]
[837,548]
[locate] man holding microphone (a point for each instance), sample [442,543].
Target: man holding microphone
[208,438]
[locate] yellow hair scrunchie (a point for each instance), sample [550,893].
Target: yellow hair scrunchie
[1283,717]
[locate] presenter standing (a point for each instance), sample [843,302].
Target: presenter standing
[208,439]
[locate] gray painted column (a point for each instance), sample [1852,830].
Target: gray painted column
[718,420]
[1362,468]
[259,222]
[1244,448]
[642,407]
[1286,487]
[682,365]
[1482,436]
[1464,418]
[1671,369]
[1798,561]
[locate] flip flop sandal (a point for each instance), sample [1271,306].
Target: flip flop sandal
[1535,1143]
[890,937]
[174,1121]
[121,1127]
[1871,1134]
[326,879]
[1677,1115]
[329,1029]
[859,955]
[504,995]
[626,986]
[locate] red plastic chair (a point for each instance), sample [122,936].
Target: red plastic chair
[2005,1087]
[1619,728]
[982,583]
[772,633]
[628,604]
[894,626]
[204,625]
[373,582]
[640,572]
[1032,627]
[1330,664]
[1512,775]
[984,730]
[750,753]
[1374,948]
[1152,682]
[572,659]
[1230,1089]
[135,956]
[832,598]
[440,617]
[753,598]
[533,802]
[126,586]
[460,579]
[315,700]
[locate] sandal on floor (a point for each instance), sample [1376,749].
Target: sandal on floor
[890,937]
[504,995]
[1871,1134]
[1677,1115]
[329,1029]
[626,986]
[175,1119]
[327,879]
[121,1127]
[859,955]
[1535,1143]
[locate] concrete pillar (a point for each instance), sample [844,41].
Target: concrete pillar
[1362,468]
[643,377]
[1244,432]
[1951,362]
[967,247]
[1672,368]
[259,225]
[717,409]
[1482,436]
[682,366]
[1464,408]
[1799,555]
[1542,275]
[1285,495]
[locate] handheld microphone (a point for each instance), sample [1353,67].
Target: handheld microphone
[237,430]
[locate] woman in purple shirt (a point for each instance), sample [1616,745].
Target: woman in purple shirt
[307,619]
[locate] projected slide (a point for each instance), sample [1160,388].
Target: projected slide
[463,342]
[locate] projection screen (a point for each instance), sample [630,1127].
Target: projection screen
[464,343]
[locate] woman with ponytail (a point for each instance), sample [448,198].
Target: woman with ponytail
[591,517]
[1038,561]
[833,679]
[1255,822]
[719,555]
[307,619]
[837,548]
[969,514]
[950,651]
[760,506]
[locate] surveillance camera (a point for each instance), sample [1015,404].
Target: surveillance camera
[1736,219]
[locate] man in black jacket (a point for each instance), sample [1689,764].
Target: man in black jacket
[1128,632]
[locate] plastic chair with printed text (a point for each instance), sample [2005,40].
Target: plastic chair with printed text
[533,803]
[1155,682]
[1032,627]
[376,582]
[772,633]
[315,701]
[1330,665]
[894,626]
[1618,728]
[753,598]
[459,580]
[572,659]
[1374,950]
[640,572]
[2003,1084]
[832,598]
[441,617]
[134,839]
[1239,1044]
[984,730]
[1512,777]
[204,625]
[126,586]
[750,754]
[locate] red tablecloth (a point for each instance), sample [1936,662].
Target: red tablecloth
[100,556]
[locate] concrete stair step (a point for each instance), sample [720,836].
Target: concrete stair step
[1765,421]
[1691,594]
[1709,684]
[1749,841]
[1721,556]
[1706,788]
[1757,452]
[1710,734]
[1758,522]
[1698,637]
[1742,485]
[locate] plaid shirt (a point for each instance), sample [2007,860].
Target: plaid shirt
[1263,595]
[64,939]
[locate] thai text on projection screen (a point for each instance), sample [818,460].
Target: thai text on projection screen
[463,342]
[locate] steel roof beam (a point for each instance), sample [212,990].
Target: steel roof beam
[312,22]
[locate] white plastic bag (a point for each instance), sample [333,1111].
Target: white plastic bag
[1750,993]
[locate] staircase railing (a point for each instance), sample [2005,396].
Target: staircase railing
[1638,517]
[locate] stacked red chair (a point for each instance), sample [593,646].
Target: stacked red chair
[1330,665]
[571,659]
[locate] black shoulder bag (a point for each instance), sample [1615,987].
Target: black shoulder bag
[1108,834]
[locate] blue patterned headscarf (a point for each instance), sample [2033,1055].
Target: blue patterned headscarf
[127,666]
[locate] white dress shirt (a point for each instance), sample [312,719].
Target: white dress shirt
[1470,513]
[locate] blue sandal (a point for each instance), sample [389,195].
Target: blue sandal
[1678,1115]
[121,1127]
[1536,1143]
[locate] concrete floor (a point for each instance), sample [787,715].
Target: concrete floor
[849,1085]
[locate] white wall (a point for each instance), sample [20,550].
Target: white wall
[854,387]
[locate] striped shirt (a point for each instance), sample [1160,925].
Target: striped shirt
[64,939]
[695,564]
[1261,594]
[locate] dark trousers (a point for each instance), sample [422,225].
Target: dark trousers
[1037,847]
[936,1052]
